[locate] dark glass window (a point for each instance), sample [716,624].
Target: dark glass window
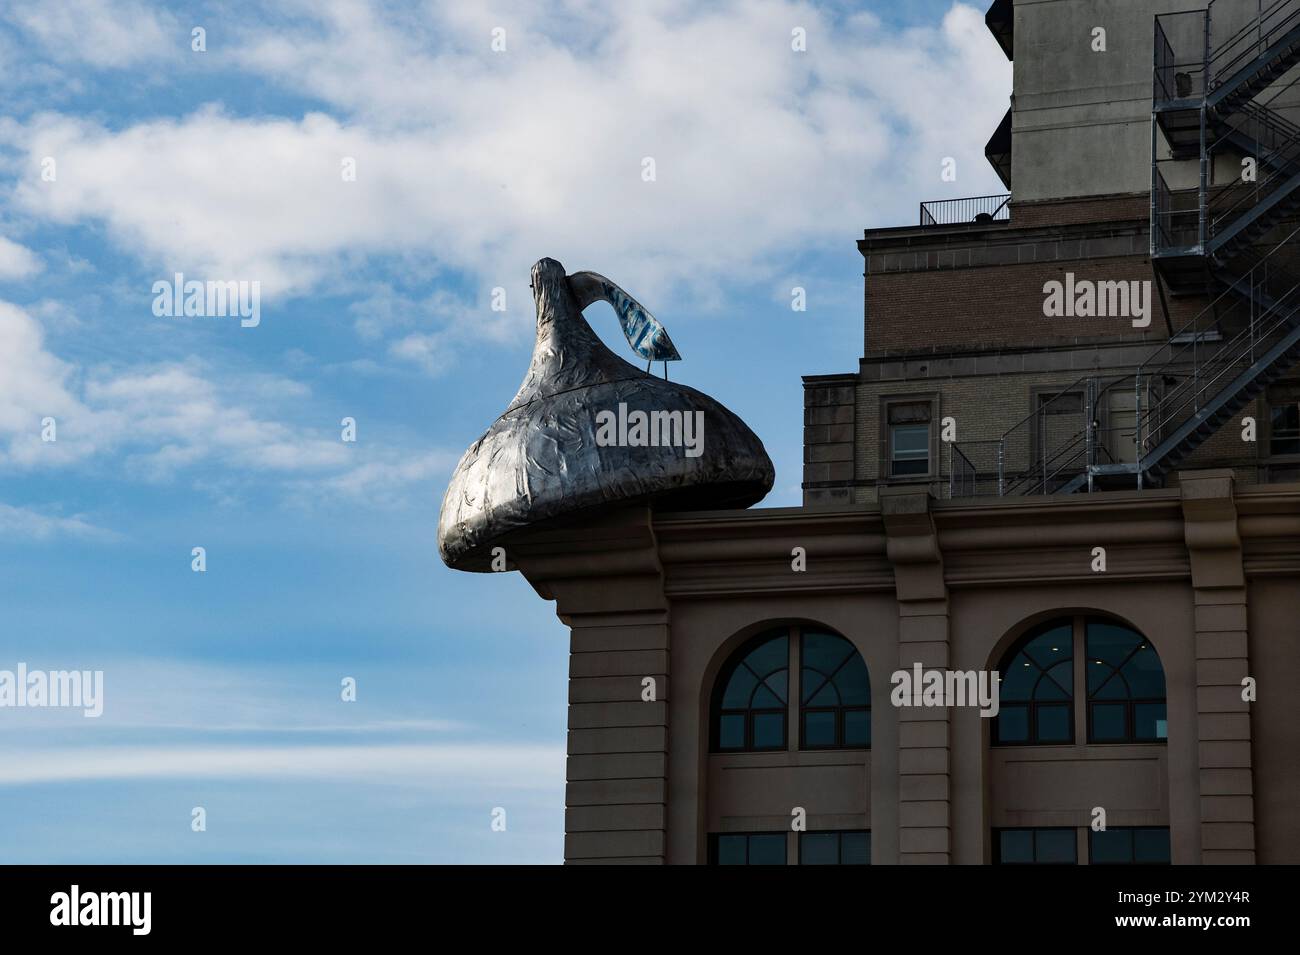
[1143,845]
[835,693]
[1126,685]
[835,848]
[1036,692]
[1035,847]
[1284,433]
[747,848]
[909,449]
[750,707]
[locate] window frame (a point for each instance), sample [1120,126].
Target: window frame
[1016,648]
[794,710]
[1129,703]
[839,710]
[1034,830]
[715,837]
[1081,720]
[839,845]
[1092,834]
[1273,406]
[717,711]
[886,443]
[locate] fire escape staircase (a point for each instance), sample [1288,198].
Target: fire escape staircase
[1236,243]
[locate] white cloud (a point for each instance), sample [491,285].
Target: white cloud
[34,385]
[164,418]
[484,162]
[17,261]
[99,32]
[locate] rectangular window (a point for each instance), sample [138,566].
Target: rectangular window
[747,848]
[835,848]
[909,438]
[1284,434]
[1035,847]
[1142,845]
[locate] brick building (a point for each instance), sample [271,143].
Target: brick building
[1071,502]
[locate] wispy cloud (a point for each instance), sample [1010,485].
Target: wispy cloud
[102,33]
[17,261]
[516,767]
[25,523]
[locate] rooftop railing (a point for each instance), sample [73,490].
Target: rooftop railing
[974,209]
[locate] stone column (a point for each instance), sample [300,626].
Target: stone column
[607,583]
[1222,661]
[924,758]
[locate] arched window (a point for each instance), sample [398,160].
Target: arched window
[834,694]
[1126,686]
[750,707]
[1118,666]
[1037,688]
[751,702]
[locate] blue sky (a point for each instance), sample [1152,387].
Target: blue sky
[222,689]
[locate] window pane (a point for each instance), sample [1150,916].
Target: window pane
[1019,679]
[1055,845]
[1149,720]
[921,466]
[857,728]
[765,699]
[739,689]
[1145,675]
[769,730]
[767,849]
[824,652]
[855,848]
[731,731]
[819,848]
[819,729]
[1013,724]
[911,440]
[1151,846]
[778,682]
[1016,845]
[1285,430]
[769,656]
[823,690]
[1053,646]
[1054,723]
[1105,683]
[1057,683]
[853,683]
[1112,847]
[1108,722]
[731,850]
[1110,642]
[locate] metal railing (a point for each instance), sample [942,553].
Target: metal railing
[1198,371]
[1238,52]
[1182,56]
[1277,162]
[973,209]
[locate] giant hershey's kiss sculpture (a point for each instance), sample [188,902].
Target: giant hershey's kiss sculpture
[541,461]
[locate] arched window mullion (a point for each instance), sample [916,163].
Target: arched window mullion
[839,725]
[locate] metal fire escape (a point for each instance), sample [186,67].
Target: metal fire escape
[1227,232]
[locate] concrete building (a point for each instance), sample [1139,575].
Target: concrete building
[1068,456]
